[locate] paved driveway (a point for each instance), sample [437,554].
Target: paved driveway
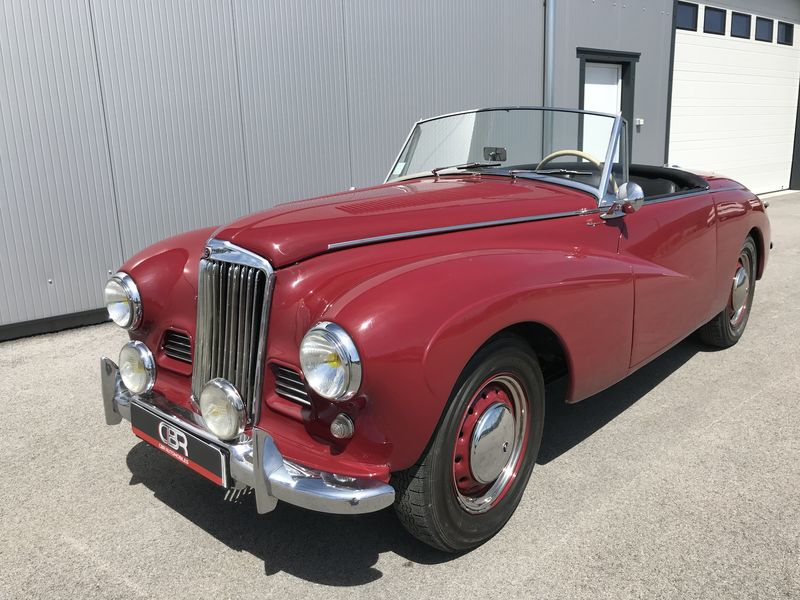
[682,481]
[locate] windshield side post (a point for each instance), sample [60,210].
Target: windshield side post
[399,154]
[626,161]
[603,197]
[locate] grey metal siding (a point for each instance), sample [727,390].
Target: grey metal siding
[420,58]
[126,121]
[169,80]
[58,231]
[294,98]
[642,26]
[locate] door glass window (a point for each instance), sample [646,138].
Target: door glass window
[714,21]
[740,25]
[763,29]
[686,16]
[785,33]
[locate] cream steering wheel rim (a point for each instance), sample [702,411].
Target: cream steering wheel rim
[580,154]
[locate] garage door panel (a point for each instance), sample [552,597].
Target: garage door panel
[721,126]
[724,92]
[734,106]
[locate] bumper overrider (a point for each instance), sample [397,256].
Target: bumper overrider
[256,463]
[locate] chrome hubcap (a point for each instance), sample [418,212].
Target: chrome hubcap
[492,439]
[740,291]
[490,444]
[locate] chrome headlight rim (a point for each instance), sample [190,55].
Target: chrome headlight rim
[233,399]
[134,299]
[148,362]
[346,349]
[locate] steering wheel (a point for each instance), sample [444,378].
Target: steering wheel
[579,153]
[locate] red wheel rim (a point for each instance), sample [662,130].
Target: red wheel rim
[490,443]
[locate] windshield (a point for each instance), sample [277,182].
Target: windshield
[566,146]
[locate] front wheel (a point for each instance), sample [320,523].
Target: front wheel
[472,476]
[724,330]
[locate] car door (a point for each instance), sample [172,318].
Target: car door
[671,244]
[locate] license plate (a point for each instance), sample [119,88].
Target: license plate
[197,454]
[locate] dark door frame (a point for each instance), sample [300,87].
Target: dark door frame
[627,60]
[794,177]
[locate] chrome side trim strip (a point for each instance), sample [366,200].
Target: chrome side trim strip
[464,227]
[689,195]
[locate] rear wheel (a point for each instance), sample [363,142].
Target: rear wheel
[724,330]
[471,479]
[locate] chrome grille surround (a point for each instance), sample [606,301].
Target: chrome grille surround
[233,298]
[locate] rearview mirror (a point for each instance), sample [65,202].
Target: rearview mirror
[630,198]
[630,194]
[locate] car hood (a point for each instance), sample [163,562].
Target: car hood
[295,231]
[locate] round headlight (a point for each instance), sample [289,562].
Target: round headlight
[330,362]
[121,297]
[222,409]
[137,367]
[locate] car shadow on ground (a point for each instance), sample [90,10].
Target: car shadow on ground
[310,545]
[567,425]
[302,543]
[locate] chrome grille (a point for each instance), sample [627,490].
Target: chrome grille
[177,346]
[289,384]
[232,310]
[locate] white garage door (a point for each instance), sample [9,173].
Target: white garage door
[734,104]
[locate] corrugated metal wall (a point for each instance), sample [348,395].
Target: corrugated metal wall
[643,26]
[125,121]
[57,216]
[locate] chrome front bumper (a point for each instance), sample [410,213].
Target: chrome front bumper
[257,463]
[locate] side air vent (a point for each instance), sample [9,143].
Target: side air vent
[289,385]
[178,346]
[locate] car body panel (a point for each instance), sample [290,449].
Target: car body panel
[417,319]
[673,288]
[298,230]
[419,308]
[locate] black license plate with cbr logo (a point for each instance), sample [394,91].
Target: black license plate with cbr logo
[208,460]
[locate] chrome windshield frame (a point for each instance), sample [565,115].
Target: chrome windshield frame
[601,194]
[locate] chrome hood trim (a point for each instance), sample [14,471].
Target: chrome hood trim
[451,228]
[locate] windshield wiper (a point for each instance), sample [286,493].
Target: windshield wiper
[469,165]
[550,172]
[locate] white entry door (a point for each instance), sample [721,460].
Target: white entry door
[602,92]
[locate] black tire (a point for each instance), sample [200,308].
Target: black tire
[725,329]
[429,501]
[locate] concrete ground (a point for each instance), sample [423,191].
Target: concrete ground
[681,482]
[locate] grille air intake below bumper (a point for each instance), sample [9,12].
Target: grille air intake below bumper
[289,385]
[178,346]
[232,309]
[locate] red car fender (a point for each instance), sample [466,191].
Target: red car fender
[413,352]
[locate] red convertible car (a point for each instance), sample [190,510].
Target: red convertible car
[390,345]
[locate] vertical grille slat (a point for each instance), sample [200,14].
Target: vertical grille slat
[248,318]
[240,349]
[232,310]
